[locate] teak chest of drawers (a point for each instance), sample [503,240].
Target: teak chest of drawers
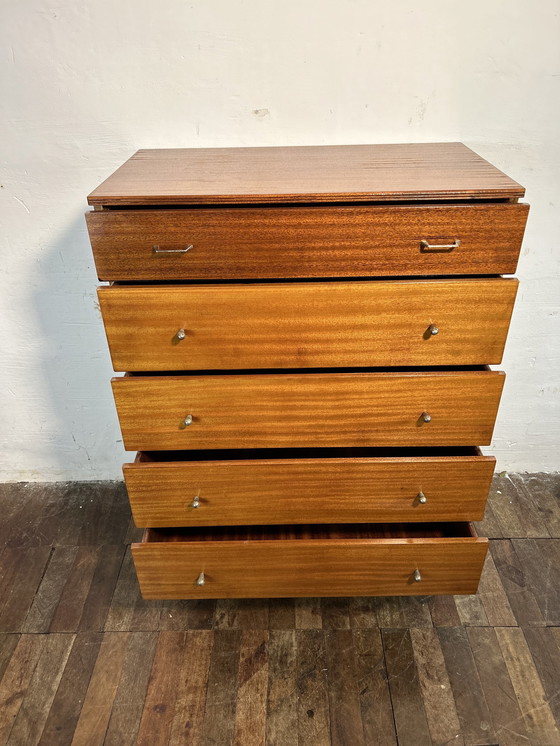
[306,333]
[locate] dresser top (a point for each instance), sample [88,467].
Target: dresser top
[333,173]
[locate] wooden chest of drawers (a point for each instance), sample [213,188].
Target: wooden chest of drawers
[306,334]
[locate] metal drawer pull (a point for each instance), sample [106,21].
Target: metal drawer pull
[427,246]
[201,580]
[433,329]
[157,250]
[187,421]
[416,576]
[426,417]
[196,502]
[422,499]
[181,334]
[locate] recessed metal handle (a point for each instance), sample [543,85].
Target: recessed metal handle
[201,580]
[196,502]
[441,247]
[187,421]
[422,499]
[156,250]
[416,576]
[426,417]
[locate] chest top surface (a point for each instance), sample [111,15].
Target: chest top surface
[305,174]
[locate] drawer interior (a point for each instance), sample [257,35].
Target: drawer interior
[337,532]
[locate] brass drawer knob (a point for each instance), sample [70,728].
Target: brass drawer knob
[201,580]
[426,417]
[422,499]
[416,576]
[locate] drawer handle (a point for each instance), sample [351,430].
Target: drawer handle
[196,502]
[187,421]
[201,580]
[426,246]
[433,329]
[181,334]
[156,250]
[426,417]
[422,499]
[416,576]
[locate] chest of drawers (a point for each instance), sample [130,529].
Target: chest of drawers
[306,333]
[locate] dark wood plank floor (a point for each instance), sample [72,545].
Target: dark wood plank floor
[83,660]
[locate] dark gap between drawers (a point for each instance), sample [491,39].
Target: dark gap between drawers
[250,454]
[418,201]
[411,370]
[307,532]
[292,280]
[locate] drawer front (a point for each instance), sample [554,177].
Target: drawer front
[266,569]
[308,490]
[321,241]
[306,325]
[297,409]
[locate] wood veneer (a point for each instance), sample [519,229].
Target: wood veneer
[306,241]
[307,489]
[366,351]
[310,561]
[350,173]
[307,325]
[300,409]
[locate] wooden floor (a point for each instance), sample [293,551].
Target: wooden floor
[83,660]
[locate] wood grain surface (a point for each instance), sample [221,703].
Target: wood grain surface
[418,171]
[308,490]
[309,566]
[203,671]
[306,241]
[406,695]
[307,325]
[313,409]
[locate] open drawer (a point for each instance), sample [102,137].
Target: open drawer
[312,485]
[320,560]
[375,408]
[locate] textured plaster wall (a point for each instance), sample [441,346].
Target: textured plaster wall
[85,84]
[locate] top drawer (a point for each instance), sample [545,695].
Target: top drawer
[306,241]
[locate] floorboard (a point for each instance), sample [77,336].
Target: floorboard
[85,660]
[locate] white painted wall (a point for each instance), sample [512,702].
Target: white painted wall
[85,84]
